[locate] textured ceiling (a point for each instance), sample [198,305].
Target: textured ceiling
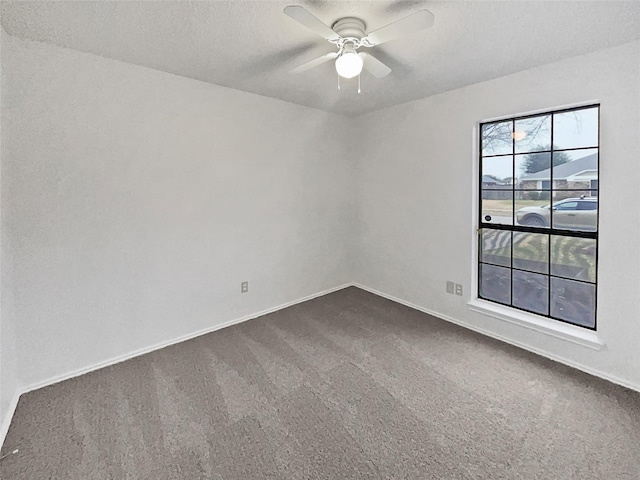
[251,45]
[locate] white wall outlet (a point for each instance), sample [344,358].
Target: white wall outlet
[450,287]
[244,287]
[458,289]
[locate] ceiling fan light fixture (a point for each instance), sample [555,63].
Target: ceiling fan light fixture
[349,63]
[518,135]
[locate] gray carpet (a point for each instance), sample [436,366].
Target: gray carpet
[348,385]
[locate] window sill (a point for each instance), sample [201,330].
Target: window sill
[577,335]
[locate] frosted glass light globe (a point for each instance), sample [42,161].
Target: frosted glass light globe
[349,65]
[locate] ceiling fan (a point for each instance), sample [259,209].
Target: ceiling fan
[348,34]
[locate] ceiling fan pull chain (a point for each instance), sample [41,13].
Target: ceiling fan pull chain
[338,82]
[358,84]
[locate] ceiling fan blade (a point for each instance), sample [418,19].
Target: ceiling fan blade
[303,16]
[417,21]
[314,63]
[374,66]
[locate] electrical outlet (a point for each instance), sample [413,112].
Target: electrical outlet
[449,286]
[244,287]
[458,289]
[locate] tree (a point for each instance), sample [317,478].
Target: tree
[496,136]
[500,135]
[536,162]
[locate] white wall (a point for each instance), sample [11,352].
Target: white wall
[9,384]
[8,352]
[415,187]
[137,201]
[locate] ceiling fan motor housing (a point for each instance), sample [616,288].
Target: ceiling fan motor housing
[350,27]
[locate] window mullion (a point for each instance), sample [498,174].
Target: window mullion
[528,273]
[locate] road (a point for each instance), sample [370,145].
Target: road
[502,220]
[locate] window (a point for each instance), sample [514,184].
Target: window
[538,220]
[587,206]
[567,206]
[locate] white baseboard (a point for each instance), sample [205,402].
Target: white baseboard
[167,343]
[6,421]
[543,353]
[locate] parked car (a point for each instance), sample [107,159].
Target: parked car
[568,214]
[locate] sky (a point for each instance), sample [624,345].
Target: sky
[571,130]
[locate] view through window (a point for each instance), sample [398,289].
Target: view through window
[538,225]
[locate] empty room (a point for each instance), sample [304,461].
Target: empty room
[320,240]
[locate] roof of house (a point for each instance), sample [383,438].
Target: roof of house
[488,179]
[566,170]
